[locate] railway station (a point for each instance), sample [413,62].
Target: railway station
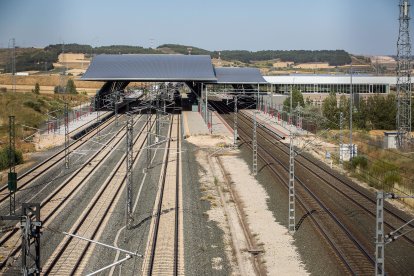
[177,160]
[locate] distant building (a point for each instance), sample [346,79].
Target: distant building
[317,87]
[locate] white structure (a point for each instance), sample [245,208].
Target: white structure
[345,150]
[332,83]
[390,139]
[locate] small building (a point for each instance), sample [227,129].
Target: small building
[344,152]
[390,139]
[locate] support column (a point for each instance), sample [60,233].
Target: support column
[292,215]
[379,235]
[254,143]
[67,142]
[235,135]
[129,162]
[12,177]
[341,122]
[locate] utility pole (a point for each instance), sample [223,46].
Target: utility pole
[13,69]
[149,135]
[235,135]
[351,101]
[116,97]
[206,108]
[404,75]
[254,143]
[67,142]
[292,215]
[98,118]
[12,177]
[341,121]
[379,235]
[62,75]
[129,162]
[382,239]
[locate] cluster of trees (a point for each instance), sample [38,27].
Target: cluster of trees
[70,88]
[334,58]
[376,112]
[183,49]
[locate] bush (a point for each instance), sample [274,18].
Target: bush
[4,158]
[33,105]
[359,161]
[36,90]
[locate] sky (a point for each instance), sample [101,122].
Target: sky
[367,27]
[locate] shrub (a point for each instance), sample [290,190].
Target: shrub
[33,105]
[4,157]
[359,161]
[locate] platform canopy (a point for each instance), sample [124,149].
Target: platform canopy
[167,68]
[239,75]
[156,68]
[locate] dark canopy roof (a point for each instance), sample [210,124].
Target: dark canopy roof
[175,68]
[151,68]
[239,75]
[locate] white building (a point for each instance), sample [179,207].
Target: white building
[339,84]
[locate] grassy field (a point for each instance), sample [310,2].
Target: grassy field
[29,110]
[386,169]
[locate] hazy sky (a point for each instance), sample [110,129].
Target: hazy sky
[358,26]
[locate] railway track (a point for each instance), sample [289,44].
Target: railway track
[69,256]
[164,253]
[26,179]
[345,188]
[61,196]
[354,257]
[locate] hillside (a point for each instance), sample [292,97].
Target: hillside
[39,59]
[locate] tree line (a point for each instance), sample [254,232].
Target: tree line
[374,112]
[43,59]
[333,57]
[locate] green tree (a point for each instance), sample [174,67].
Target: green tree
[36,89]
[71,87]
[331,111]
[297,100]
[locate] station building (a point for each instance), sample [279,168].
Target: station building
[317,87]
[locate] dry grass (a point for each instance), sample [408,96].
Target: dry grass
[29,110]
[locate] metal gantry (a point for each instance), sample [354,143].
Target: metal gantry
[12,177]
[67,141]
[254,143]
[404,75]
[129,163]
